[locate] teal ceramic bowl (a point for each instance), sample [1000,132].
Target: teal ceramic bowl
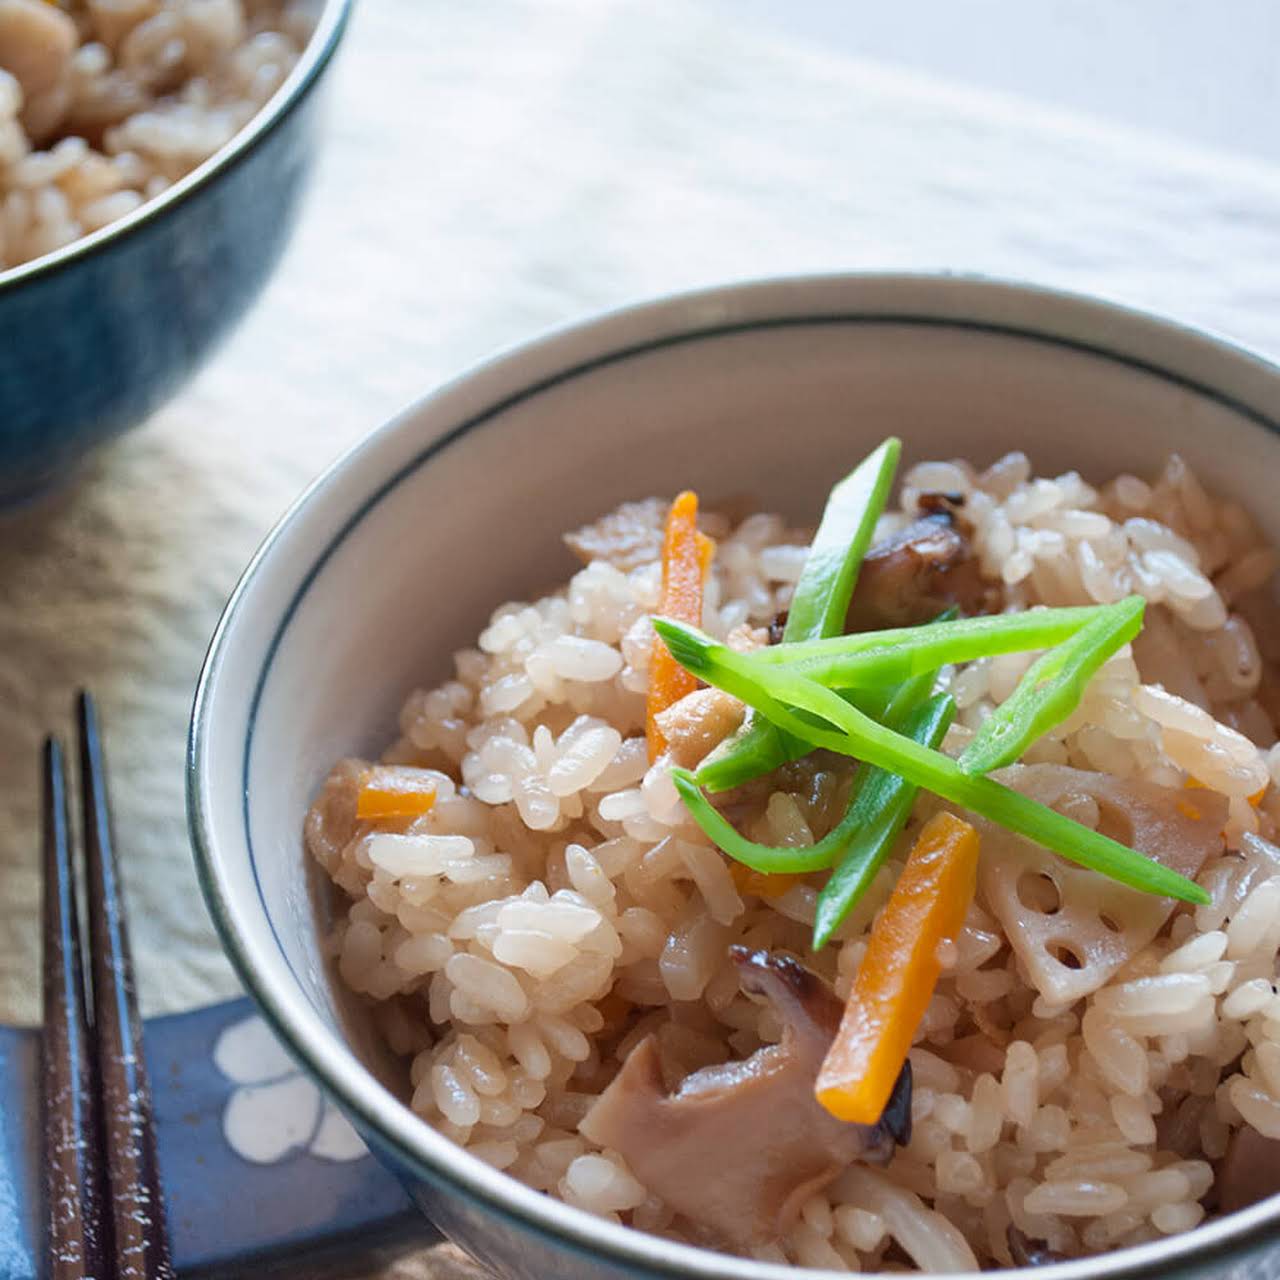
[97,335]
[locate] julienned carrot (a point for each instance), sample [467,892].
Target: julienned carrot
[897,976]
[765,886]
[686,554]
[394,791]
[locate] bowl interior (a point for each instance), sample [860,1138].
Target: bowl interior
[397,558]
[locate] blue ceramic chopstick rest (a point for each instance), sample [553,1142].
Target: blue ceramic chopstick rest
[255,1161]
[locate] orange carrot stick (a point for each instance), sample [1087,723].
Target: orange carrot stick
[897,976]
[768,887]
[394,791]
[686,554]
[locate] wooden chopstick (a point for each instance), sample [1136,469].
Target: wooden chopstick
[140,1237]
[73,1174]
[105,1214]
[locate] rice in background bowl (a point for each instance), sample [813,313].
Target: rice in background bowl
[557,906]
[168,214]
[105,103]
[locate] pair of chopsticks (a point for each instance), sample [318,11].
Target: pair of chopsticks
[104,1211]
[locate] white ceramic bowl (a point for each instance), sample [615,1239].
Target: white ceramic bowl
[396,556]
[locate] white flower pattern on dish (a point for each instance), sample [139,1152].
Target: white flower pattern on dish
[276,1111]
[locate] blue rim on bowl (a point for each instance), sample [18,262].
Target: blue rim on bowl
[320,48]
[1231,375]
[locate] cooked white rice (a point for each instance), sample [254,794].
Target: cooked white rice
[106,103]
[557,906]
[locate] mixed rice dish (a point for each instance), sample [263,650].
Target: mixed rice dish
[905,897]
[106,103]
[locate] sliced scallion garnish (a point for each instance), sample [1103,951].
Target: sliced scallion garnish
[875,657]
[883,805]
[877,661]
[1051,688]
[869,794]
[818,607]
[800,706]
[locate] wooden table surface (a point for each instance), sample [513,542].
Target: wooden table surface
[489,170]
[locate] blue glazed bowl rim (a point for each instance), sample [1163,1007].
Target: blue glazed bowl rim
[691,317]
[320,48]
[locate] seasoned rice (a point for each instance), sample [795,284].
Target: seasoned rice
[106,103]
[557,905]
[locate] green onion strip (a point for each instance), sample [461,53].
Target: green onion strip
[1051,688]
[798,705]
[819,605]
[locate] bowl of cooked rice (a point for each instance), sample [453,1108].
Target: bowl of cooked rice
[783,777]
[152,153]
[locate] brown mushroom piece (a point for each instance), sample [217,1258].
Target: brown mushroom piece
[1249,1172]
[912,576]
[738,1147]
[1027,1252]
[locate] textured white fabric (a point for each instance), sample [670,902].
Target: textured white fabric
[489,170]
